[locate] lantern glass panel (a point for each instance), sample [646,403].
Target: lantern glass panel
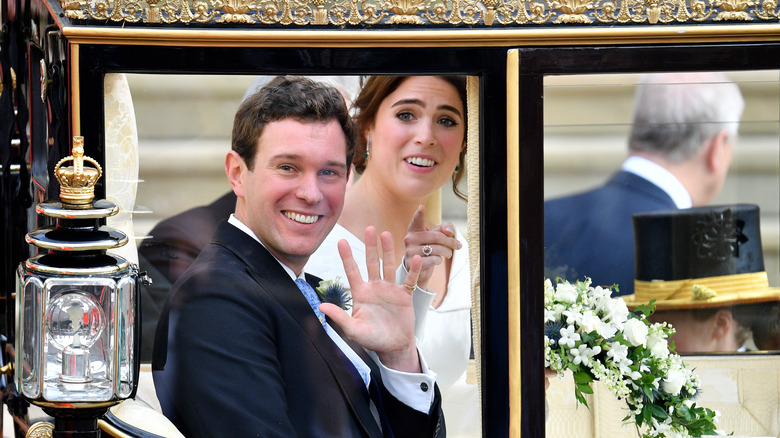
[78,317]
[126,336]
[29,308]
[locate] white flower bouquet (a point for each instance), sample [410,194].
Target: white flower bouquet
[598,338]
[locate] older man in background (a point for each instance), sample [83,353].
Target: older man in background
[680,149]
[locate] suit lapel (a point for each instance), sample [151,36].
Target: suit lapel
[275,281]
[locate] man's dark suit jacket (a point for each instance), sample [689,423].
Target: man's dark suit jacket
[591,234]
[244,355]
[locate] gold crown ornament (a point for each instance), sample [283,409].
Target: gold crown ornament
[77,183]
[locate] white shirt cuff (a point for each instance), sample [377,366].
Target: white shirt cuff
[412,389]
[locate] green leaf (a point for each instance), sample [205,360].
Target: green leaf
[582,378]
[647,309]
[585,388]
[656,411]
[590,338]
[580,398]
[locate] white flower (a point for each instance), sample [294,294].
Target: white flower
[617,352]
[674,381]
[619,313]
[573,316]
[569,336]
[583,353]
[566,293]
[590,322]
[658,345]
[606,330]
[550,315]
[635,332]
[614,310]
[599,292]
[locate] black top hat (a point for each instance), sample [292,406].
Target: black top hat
[700,257]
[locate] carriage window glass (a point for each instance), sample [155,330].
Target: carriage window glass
[183,127]
[588,122]
[593,177]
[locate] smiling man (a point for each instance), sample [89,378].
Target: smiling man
[244,347]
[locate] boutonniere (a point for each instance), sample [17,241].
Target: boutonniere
[332,291]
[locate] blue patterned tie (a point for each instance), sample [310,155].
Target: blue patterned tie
[373,391]
[312,298]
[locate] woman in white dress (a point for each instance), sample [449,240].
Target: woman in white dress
[412,133]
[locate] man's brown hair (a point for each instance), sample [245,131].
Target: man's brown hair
[289,97]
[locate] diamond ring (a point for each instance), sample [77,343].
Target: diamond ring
[427,250]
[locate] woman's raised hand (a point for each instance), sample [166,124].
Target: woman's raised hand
[432,244]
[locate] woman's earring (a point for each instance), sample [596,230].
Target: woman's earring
[456,168]
[368,146]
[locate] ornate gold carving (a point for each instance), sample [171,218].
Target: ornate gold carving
[653,9]
[74,9]
[573,11]
[768,10]
[153,13]
[490,11]
[405,11]
[235,11]
[41,429]
[340,13]
[320,14]
[733,10]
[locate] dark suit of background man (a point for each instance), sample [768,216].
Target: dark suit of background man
[239,350]
[680,148]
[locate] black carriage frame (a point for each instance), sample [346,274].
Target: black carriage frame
[513,390]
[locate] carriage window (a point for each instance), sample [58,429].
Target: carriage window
[706,215]
[184,125]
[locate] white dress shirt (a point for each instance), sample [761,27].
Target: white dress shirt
[658,175]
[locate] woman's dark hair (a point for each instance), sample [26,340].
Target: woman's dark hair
[373,92]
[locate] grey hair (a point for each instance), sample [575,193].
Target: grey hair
[676,113]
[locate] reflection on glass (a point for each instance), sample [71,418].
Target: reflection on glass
[184,127]
[588,124]
[587,134]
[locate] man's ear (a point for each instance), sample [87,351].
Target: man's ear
[235,168]
[723,321]
[717,151]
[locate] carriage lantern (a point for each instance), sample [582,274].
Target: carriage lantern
[77,306]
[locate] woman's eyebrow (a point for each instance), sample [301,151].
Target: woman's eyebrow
[451,108]
[409,101]
[422,104]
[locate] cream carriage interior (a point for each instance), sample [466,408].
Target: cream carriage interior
[151,86]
